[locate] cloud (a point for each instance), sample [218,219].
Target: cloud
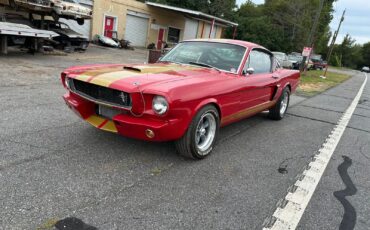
[356,22]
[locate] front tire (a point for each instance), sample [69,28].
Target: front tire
[278,111]
[200,138]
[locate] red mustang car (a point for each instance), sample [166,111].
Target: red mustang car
[196,88]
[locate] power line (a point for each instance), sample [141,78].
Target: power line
[333,42]
[311,37]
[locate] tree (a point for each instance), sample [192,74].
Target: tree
[366,54]
[350,54]
[287,24]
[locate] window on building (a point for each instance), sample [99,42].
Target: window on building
[173,35]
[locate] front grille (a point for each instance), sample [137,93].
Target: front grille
[100,94]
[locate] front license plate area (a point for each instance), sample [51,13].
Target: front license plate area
[107,112]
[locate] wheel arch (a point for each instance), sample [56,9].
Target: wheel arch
[209,101]
[279,90]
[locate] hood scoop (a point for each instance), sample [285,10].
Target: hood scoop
[132,68]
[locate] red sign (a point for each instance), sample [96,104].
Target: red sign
[306,51]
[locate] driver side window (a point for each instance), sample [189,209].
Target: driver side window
[260,61]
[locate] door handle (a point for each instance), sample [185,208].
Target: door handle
[275,77]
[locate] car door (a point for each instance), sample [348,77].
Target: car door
[259,80]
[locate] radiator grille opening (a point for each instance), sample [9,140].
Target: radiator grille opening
[100,93]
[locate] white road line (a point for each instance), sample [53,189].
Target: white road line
[289,212]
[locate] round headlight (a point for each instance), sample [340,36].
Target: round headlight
[160,105]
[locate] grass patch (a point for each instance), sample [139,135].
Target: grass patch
[48,225]
[339,68]
[311,83]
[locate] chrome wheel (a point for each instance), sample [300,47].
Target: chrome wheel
[284,103]
[205,132]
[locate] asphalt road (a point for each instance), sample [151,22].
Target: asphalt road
[53,165]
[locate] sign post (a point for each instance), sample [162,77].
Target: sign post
[306,53]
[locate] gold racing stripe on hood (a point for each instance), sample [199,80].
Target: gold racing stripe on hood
[107,79]
[83,77]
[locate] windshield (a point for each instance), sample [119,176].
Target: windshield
[222,56]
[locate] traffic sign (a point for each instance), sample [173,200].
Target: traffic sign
[306,51]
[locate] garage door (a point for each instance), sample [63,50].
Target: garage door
[191,29]
[136,30]
[214,32]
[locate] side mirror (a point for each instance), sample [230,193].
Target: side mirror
[250,71]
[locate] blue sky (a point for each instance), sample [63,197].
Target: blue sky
[357,19]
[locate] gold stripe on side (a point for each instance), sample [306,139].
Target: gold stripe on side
[247,112]
[110,127]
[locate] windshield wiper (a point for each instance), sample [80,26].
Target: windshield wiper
[204,65]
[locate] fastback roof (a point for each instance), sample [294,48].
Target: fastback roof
[229,41]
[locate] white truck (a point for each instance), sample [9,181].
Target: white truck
[21,34]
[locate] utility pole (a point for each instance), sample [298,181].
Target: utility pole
[311,37]
[333,42]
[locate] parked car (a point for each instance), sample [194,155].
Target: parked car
[283,59]
[365,69]
[33,5]
[69,9]
[68,38]
[196,88]
[296,60]
[318,64]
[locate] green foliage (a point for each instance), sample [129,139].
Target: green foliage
[365,52]
[284,25]
[349,54]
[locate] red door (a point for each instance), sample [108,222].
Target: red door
[160,39]
[108,26]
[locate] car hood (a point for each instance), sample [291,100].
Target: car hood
[151,78]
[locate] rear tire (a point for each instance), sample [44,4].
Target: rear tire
[278,111]
[200,138]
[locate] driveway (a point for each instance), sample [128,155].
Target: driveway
[53,165]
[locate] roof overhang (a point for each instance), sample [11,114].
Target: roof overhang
[193,13]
